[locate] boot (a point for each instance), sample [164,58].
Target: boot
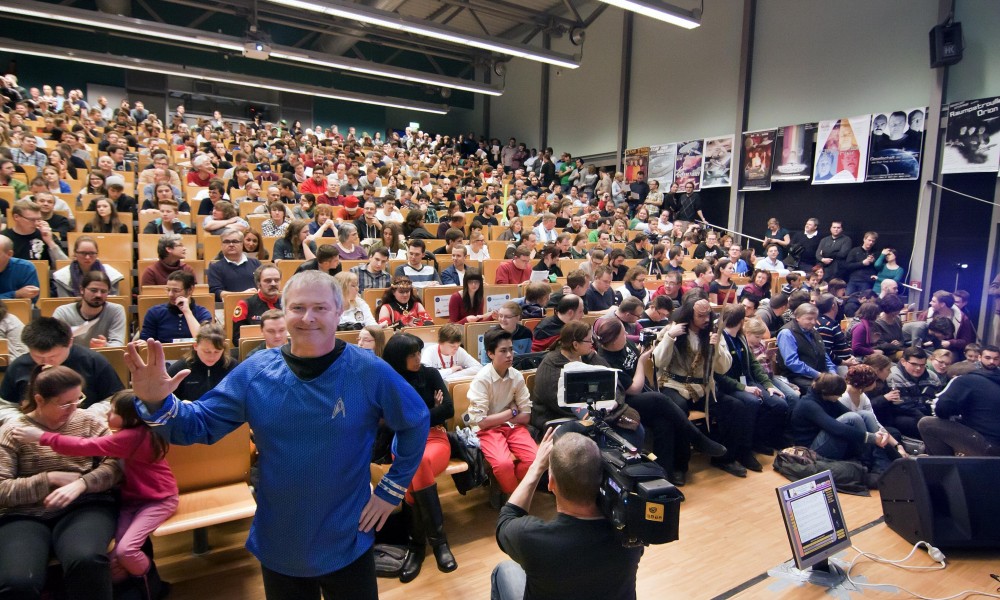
[152,587]
[430,510]
[416,549]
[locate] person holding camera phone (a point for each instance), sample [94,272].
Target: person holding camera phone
[576,554]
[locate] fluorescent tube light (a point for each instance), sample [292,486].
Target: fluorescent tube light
[660,11]
[139,27]
[397,22]
[137,64]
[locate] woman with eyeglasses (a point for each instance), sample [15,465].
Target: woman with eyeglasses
[53,503]
[400,308]
[67,279]
[576,344]
[356,313]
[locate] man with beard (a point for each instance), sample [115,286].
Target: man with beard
[248,311]
[95,322]
[973,398]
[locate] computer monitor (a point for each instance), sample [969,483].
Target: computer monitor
[814,521]
[594,386]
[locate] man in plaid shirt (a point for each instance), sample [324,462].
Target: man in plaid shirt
[28,153]
[373,275]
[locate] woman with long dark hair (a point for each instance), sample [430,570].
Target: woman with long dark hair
[469,305]
[293,246]
[426,519]
[105,218]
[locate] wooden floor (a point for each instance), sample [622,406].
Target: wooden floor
[731,535]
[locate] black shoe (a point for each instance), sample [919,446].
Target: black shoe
[763,450]
[750,461]
[416,549]
[678,478]
[872,479]
[708,446]
[733,468]
[433,518]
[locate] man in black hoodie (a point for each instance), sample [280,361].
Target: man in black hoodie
[975,397]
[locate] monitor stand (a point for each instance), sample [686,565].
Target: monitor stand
[827,574]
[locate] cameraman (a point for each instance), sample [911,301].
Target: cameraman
[575,555]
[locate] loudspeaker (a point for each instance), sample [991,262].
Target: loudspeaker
[947,501]
[946,45]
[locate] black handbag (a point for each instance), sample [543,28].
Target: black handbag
[476,475]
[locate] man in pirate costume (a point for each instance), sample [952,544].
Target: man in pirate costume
[248,311]
[686,354]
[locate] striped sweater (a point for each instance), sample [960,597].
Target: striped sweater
[23,467]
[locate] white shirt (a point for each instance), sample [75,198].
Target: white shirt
[544,235]
[489,394]
[357,312]
[461,365]
[483,254]
[766,264]
[396,216]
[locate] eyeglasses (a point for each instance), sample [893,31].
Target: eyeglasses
[916,365]
[587,341]
[32,219]
[72,405]
[85,253]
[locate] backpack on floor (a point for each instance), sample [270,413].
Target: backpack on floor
[389,560]
[797,462]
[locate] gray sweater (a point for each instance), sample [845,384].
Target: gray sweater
[111,323]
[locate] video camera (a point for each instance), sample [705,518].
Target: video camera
[647,337]
[634,495]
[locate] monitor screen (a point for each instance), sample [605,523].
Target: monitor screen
[597,386]
[813,519]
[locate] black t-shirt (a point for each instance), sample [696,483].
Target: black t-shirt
[100,379]
[28,247]
[625,359]
[60,227]
[567,557]
[308,369]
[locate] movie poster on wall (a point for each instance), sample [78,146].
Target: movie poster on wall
[842,150]
[661,164]
[636,160]
[688,163]
[758,156]
[718,162]
[971,142]
[793,153]
[896,139]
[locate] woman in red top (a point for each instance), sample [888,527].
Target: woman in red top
[149,492]
[399,307]
[469,305]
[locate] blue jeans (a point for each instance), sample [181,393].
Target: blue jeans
[508,581]
[770,413]
[842,448]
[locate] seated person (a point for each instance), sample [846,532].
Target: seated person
[570,308]
[67,279]
[232,270]
[454,274]
[972,398]
[356,312]
[657,314]
[862,380]
[168,222]
[971,363]
[56,505]
[208,361]
[822,423]
[517,270]
[31,236]
[771,314]
[248,310]
[469,305]
[509,319]
[419,274]
[179,318]
[499,410]
[18,277]
[222,217]
[917,388]
[274,330]
[327,259]
[50,342]
[888,325]
[579,538]
[536,298]
[11,328]
[106,218]
[171,252]
[399,308]
[600,297]
[448,356]
[801,353]
[96,323]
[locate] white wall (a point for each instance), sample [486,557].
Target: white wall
[978,75]
[517,112]
[684,82]
[821,60]
[583,102]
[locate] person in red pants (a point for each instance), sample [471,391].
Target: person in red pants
[425,518]
[500,407]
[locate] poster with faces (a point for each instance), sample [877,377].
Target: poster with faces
[896,140]
[842,150]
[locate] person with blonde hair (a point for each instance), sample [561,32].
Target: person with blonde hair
[357,314]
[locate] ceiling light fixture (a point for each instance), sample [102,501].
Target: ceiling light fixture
[391,20]
[688,19]
[138,64]
[139,27]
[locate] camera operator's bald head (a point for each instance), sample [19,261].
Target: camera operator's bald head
[575,465]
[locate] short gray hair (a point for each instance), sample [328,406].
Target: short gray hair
[806,309]
[345,230]
[313,277]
